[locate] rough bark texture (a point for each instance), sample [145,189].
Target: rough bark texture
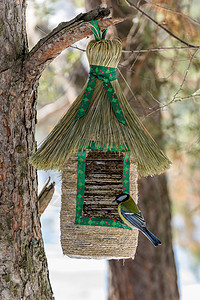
[23,265]
[152,274]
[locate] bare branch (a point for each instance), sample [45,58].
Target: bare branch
[174,99]
[184,78]
[157,49]
[159,25]
[186,98]
[193,96]
[173,11]
[63,36]
[46,195]
[76,47]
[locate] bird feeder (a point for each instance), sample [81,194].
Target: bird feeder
[90,225]
[101,147]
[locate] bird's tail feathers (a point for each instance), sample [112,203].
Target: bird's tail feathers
[155,241]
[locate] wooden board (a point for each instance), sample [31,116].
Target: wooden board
[103,182]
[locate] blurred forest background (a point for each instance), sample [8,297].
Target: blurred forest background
[177,71]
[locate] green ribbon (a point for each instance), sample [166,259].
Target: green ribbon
[97,32]
[106,75]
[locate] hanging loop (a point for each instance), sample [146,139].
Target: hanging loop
[97,32]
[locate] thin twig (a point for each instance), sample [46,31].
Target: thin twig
[148,50]
[197,92]
[174,100]
[159,49]
[173,11]
[76,47]
[184,78]
[158,101]
[41,30]
[186,98]
[167,104]
[159,25]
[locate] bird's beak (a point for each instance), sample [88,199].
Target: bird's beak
[114,201]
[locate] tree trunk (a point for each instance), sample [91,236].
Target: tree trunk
[152,274]
[24,273]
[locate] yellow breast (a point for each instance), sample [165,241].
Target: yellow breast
[123,219]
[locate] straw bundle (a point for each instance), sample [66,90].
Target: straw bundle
[100,125]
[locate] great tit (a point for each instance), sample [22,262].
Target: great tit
[132,216]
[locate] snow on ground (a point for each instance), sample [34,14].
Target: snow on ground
[83,279]
[75,279]
[191,292]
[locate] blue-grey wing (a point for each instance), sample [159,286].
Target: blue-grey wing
[135,219]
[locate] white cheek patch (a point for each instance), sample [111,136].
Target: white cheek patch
[121,198]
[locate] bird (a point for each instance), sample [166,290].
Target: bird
[132,216]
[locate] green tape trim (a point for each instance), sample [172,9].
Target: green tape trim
[126,173]
[106,75]
[95,146]
[79,219]
[80,184]
[97,32]
[104,34]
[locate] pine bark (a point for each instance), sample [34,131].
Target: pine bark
[23,266]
